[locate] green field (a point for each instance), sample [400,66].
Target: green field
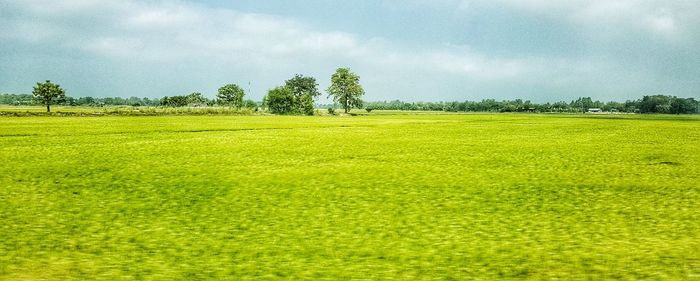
[403,197]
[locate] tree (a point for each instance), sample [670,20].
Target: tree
[231,95]
[305,91]
[654,104]
[583,104]
[196,99]
[48,93]
[174,101]
[346,89]
[683,106]
[280,100]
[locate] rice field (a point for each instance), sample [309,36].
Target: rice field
[380,196]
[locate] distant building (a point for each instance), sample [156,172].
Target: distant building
[595,110]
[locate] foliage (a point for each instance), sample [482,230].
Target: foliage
[24,99]
[649,104]
[20,111]
[331,111]
[48,93]
[250,104]
[369,109]
[280,100]
[345,89]
[231,95]
[667,104]
[195,99]
[303,103]
[412,197]
[17,99]
[297,97]
[174,101]
[305,90]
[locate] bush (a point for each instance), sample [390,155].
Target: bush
[331,111]
[250,104]
[280,100]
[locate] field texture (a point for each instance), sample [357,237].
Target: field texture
[366,197]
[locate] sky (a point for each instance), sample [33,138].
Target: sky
[412,50]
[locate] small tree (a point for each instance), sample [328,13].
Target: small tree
[231,95]
[346,89]
[48,93]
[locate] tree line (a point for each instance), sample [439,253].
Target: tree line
[648,104]
[298,95]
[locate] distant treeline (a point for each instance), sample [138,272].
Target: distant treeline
[191,100]
[28,99]
[647,104]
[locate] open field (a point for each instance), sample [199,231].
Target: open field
[502,196]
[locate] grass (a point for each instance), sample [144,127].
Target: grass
[446,197]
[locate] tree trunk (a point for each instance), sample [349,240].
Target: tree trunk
[48,107]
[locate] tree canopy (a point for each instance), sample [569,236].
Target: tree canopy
[305,90]
[231,95]
[295,97]
[280,100]
[345,89]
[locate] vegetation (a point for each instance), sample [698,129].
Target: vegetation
[280,100]
[667,104]
[345,89]
[648,104]
[193,100]
[48,93]
[231,95]
[305,90]
[295,97]
[24,111]
[399,197]
[298,94]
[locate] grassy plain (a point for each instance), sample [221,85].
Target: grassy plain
[366,197]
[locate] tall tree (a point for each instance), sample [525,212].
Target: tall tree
[346,89]
[305,90]
[48,93]
[231,95]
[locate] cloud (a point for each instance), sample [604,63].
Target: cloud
[169,32]
[168,46]
[653,16]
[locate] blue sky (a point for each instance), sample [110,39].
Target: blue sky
[413,50]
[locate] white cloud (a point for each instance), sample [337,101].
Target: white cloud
[663,24]
[652,16]
[167,31]
[165,35]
